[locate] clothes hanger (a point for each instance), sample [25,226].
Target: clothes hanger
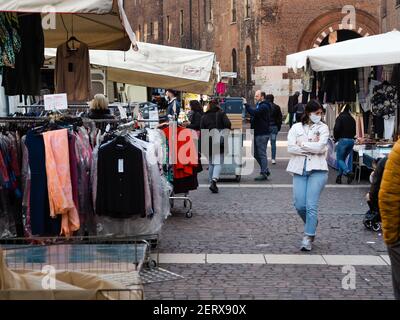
[72,39]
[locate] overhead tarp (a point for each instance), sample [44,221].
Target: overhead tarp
[102,24]
[157,66]
[382,49]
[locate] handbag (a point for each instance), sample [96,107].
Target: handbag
[220,129]
[287,120]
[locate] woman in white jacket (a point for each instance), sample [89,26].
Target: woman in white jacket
[308,146]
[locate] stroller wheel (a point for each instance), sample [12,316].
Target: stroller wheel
[368,224]
[377,227]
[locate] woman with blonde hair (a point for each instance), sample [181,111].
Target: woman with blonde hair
[99,108]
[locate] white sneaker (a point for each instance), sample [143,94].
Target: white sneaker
[306,244]
[273,162]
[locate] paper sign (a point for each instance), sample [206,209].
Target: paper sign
[120,165]
[154,117]
[122,112]
[55,102]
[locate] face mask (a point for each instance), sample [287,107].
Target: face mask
[166,98]
[315,119]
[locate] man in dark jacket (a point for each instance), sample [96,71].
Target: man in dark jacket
[275,124]
[260,123]
[293,102]
[174,106]
[344,132]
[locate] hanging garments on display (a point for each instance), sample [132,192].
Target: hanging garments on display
[25,77]
[72,73]
[59,180]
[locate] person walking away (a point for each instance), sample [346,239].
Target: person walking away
[215,118]
[174,106]
[260,123]
[196,113]
[275,124]
[389,206]
[344,132]
[308,146]
[293,102]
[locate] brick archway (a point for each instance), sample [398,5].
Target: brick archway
[321,27]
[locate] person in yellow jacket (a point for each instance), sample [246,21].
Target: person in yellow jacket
[389,204]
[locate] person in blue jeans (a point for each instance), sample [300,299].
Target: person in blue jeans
[275,124]
[308,145]
[260,123]
[344,132]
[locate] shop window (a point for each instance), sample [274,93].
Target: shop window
[168,29]
[384,8]
[234,65]
[249,70]
[233,10]
[247,9]
[181,20]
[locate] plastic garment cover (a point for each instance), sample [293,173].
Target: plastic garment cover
[160,191]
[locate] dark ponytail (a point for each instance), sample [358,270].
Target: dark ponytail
[312,106]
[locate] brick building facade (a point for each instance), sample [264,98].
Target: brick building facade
[390,15]
[251,37]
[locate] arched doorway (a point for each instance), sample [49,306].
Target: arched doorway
[331,22]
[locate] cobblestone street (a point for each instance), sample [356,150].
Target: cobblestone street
[244,244]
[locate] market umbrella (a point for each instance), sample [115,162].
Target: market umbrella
[382,49]
[158,67]
[101,24]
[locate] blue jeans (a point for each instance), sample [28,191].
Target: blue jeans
[260,152]
[307,190]
[215,167]
[274,137]
[343,150]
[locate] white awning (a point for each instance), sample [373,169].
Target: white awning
[382,49]
[102,24]
[158,67]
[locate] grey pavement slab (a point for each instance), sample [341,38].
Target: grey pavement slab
[272,282]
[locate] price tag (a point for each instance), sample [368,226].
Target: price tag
[55,102]
[120,165]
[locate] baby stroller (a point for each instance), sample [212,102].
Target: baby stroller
[372,219]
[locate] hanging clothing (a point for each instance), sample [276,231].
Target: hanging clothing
[59,180]
[120,180]
[221,88]
[385,100]
[341,85]
[25,78]
[183,152]
[10,41]
[363,84]
[41,222]
[307,80]
[389,127]
[72,73]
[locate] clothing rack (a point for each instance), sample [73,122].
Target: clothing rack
[42,120]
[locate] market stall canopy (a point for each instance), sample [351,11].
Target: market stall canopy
[157,66]
[101,24]
[382,49]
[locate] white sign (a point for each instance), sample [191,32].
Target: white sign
[55,102]
[122,112]
[154,117]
